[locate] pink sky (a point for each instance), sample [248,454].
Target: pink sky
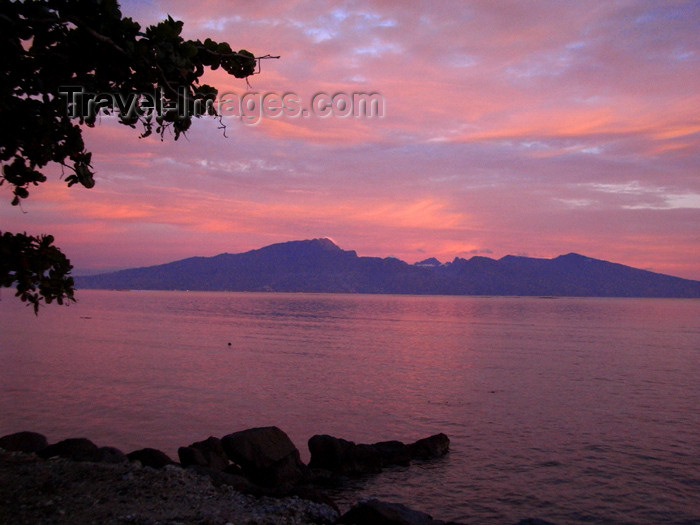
[534,128]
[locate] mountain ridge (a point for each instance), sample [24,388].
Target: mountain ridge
[319,265]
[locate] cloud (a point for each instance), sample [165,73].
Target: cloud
[548,127]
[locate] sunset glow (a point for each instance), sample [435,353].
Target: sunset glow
[535,129]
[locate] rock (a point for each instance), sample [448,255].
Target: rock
[234,469]
[208,453]
[345,457]
[534,521]
[329,453]
[430,447]
[212,451]
[77,449]
[191,457]
[393,452]
[376,512]
[24,442]
[267,456]
[342,456]
[365,458]
[111,455]
[150,457]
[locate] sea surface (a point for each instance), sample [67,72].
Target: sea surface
[570,410]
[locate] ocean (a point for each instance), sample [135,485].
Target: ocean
[573,410]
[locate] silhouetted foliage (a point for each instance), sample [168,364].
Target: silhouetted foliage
[53,46]
[37,268]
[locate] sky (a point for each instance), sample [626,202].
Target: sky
[532,128]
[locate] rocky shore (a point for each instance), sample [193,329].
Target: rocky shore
[251,477]
[62,491]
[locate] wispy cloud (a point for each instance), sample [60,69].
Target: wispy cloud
[542,127]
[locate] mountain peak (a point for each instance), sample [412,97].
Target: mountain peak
[326,243]
[319,265]
[428,262]
[323,244]
[573,257]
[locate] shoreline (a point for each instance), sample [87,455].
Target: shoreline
[251,477]
[63,491]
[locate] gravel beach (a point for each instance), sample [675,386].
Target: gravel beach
[61,491]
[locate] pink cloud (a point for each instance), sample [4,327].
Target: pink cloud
[510,127]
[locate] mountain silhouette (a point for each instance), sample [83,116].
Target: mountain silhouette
[319,265]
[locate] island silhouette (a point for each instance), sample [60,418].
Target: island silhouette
[320,266]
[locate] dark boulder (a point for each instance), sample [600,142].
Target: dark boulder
[342,456]
[345,457]
[150,457]
[365,458]
[77,449]
[191,457]
[376,512]
[393,452]
[234,469]
[267,456]
[24,442]
[430,447]
[208,453]
[111,455]
[329,453]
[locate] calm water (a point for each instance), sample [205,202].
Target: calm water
[571,410]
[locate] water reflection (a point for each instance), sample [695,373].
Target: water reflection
[570,409]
